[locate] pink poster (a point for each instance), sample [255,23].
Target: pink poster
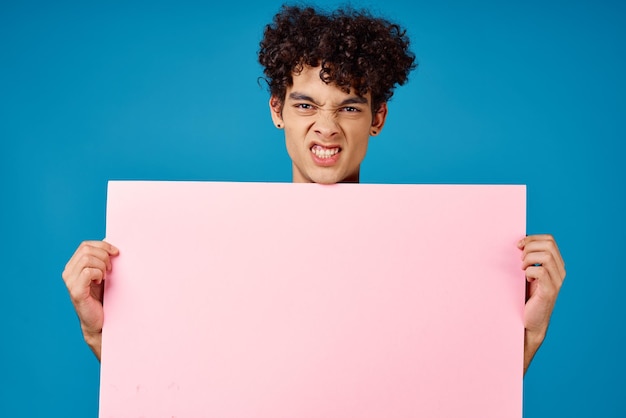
[301,300]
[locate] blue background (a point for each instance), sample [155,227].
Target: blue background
[525,92]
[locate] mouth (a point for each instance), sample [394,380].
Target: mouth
[325,154]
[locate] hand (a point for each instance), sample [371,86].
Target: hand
[83,277]
[545,272]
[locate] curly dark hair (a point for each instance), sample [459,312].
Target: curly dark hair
[354,50]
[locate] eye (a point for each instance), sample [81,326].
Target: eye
[305,109]
[350,109]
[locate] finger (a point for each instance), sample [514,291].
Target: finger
[541,286]
[535,243]
[539,274]
[537,253]
[100,249]
[87,246]
[87,262]
[545,245]
[85,257]
[81,290]
[540,300]
[543,239]
[110,248]
[543,261]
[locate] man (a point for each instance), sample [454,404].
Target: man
[330,77]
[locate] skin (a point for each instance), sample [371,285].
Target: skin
[545,272]
[83,276]
[314,113]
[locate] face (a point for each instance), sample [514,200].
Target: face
[326,129]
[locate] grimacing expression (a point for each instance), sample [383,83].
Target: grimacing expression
[326,129]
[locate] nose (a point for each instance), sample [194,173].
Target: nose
[326,123]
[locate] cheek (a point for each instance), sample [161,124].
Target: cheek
[294,142]
[362,150]
[358,150]
[295,132]
[360,137]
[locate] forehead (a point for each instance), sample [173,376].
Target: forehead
[308,82]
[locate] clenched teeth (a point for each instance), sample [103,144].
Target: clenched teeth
[321,152]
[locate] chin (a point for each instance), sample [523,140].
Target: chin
[325,175]
[325,181]
[333,178]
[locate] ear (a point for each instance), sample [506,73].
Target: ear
[378,120]
[276,110]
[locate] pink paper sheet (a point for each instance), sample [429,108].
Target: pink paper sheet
[303,300]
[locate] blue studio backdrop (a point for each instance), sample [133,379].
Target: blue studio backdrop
[506,92]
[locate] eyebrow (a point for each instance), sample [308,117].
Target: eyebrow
[348,101]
